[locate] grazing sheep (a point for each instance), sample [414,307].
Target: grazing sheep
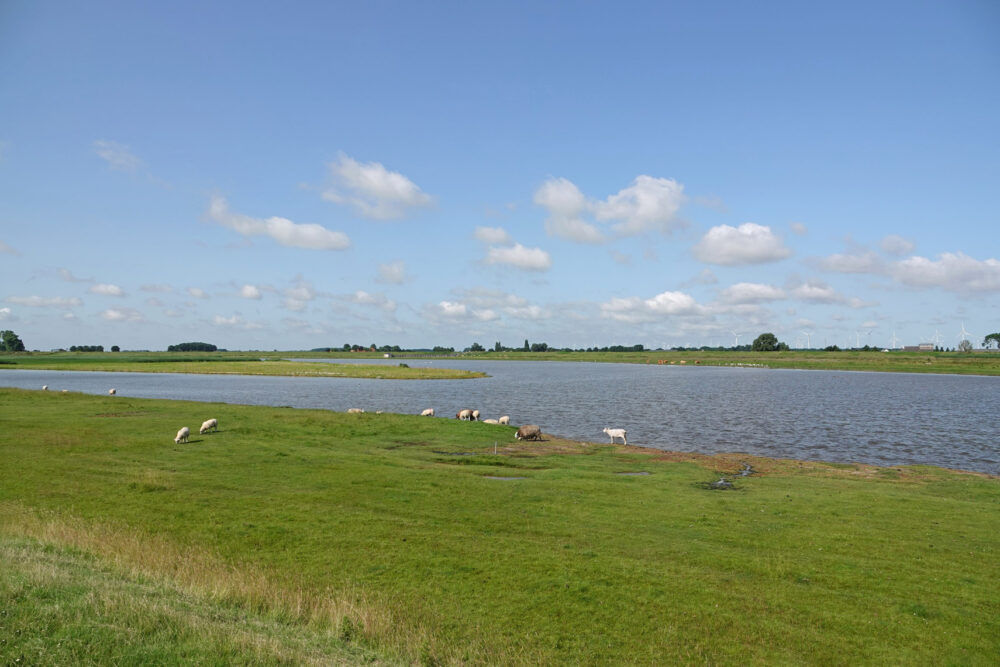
[112,391]
[355,411]
[45,387]
[209,425]
[504,420]
[616,433]
[65,391]
[464,415]
[490,421]
[182,435]
[475,415]
[529,432]
[429,412]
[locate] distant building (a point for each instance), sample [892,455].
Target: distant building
[923,347]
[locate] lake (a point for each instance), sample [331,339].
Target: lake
[885,419]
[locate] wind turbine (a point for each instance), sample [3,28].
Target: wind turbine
[963,334]
[737,336]
[857,338]
[894,340]
[808,339]
[937,337]
[868,342]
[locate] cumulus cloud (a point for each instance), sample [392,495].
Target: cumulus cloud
[510,305]
[250,292]
[7,250]
[372,190]
[158,289]
[860,262]
[749,243]
[105,289]
[282,230]
[122,315]
[633,309]
[956,272]
[528,259]
[816,292]
[118,156]
[45,302]
[393,273]
[896,245]
[649,204]
[297,298]
[5,314]
[378,300]
[492,235]
[566,206]
[741,293]
[197,292]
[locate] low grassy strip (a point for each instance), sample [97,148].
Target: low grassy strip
[63,606]
[410,537]
[894,361]
[172,362]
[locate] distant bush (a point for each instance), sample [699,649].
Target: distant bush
[86,348]
[192,347]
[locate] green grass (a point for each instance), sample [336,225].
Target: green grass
[228,363]
[366,532]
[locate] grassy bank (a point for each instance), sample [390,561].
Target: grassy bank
[972,363]
[404,537]
[228,363]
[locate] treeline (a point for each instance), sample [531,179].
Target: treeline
[192,347]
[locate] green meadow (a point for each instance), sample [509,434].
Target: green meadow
[310,537]
[228,363]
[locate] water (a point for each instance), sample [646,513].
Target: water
[884,419]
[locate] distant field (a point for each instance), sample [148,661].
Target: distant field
[230,363]
[305,536]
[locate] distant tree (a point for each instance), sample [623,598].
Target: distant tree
[831,348]
[9,341]
[766,342]
[115,348]
[497,347]
[993,338]
[443,350]
[539,347]
[526,348]
[192,347]
[476,347]
[965,346]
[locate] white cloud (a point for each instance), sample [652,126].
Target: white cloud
[122,315]
[159,289]
[798,229]
[374,191]
[633,309]
[45,302]
[105,289]
[649,204]
[566,206]
[896,245]
[751,293]
[297,298]
[492,235]
[5,314]
[862,262]
[452,309]
[197,292]
[816,292]
[377,300]
[67,275]
[250,292]
[749,243]
[118,156]
[7,250]
[509,304]
[234,321]
[956,272]
[393,273]
[528,259]
[282,230]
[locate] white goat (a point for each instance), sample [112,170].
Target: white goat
[429,412]
[209,425]
[616,433]
[504,420]
[182,435]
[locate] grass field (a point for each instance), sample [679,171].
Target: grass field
[300,536]
[229,363]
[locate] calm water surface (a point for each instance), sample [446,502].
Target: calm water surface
[880,418]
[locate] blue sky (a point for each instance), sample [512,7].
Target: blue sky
[290,176]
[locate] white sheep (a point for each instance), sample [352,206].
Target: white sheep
[355,411]
[429,412]
[209,425]
[45,387]
[504,420]
[182,435]
[475,415]
[464,415]
[616,433]
[491,421]
[112,391]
